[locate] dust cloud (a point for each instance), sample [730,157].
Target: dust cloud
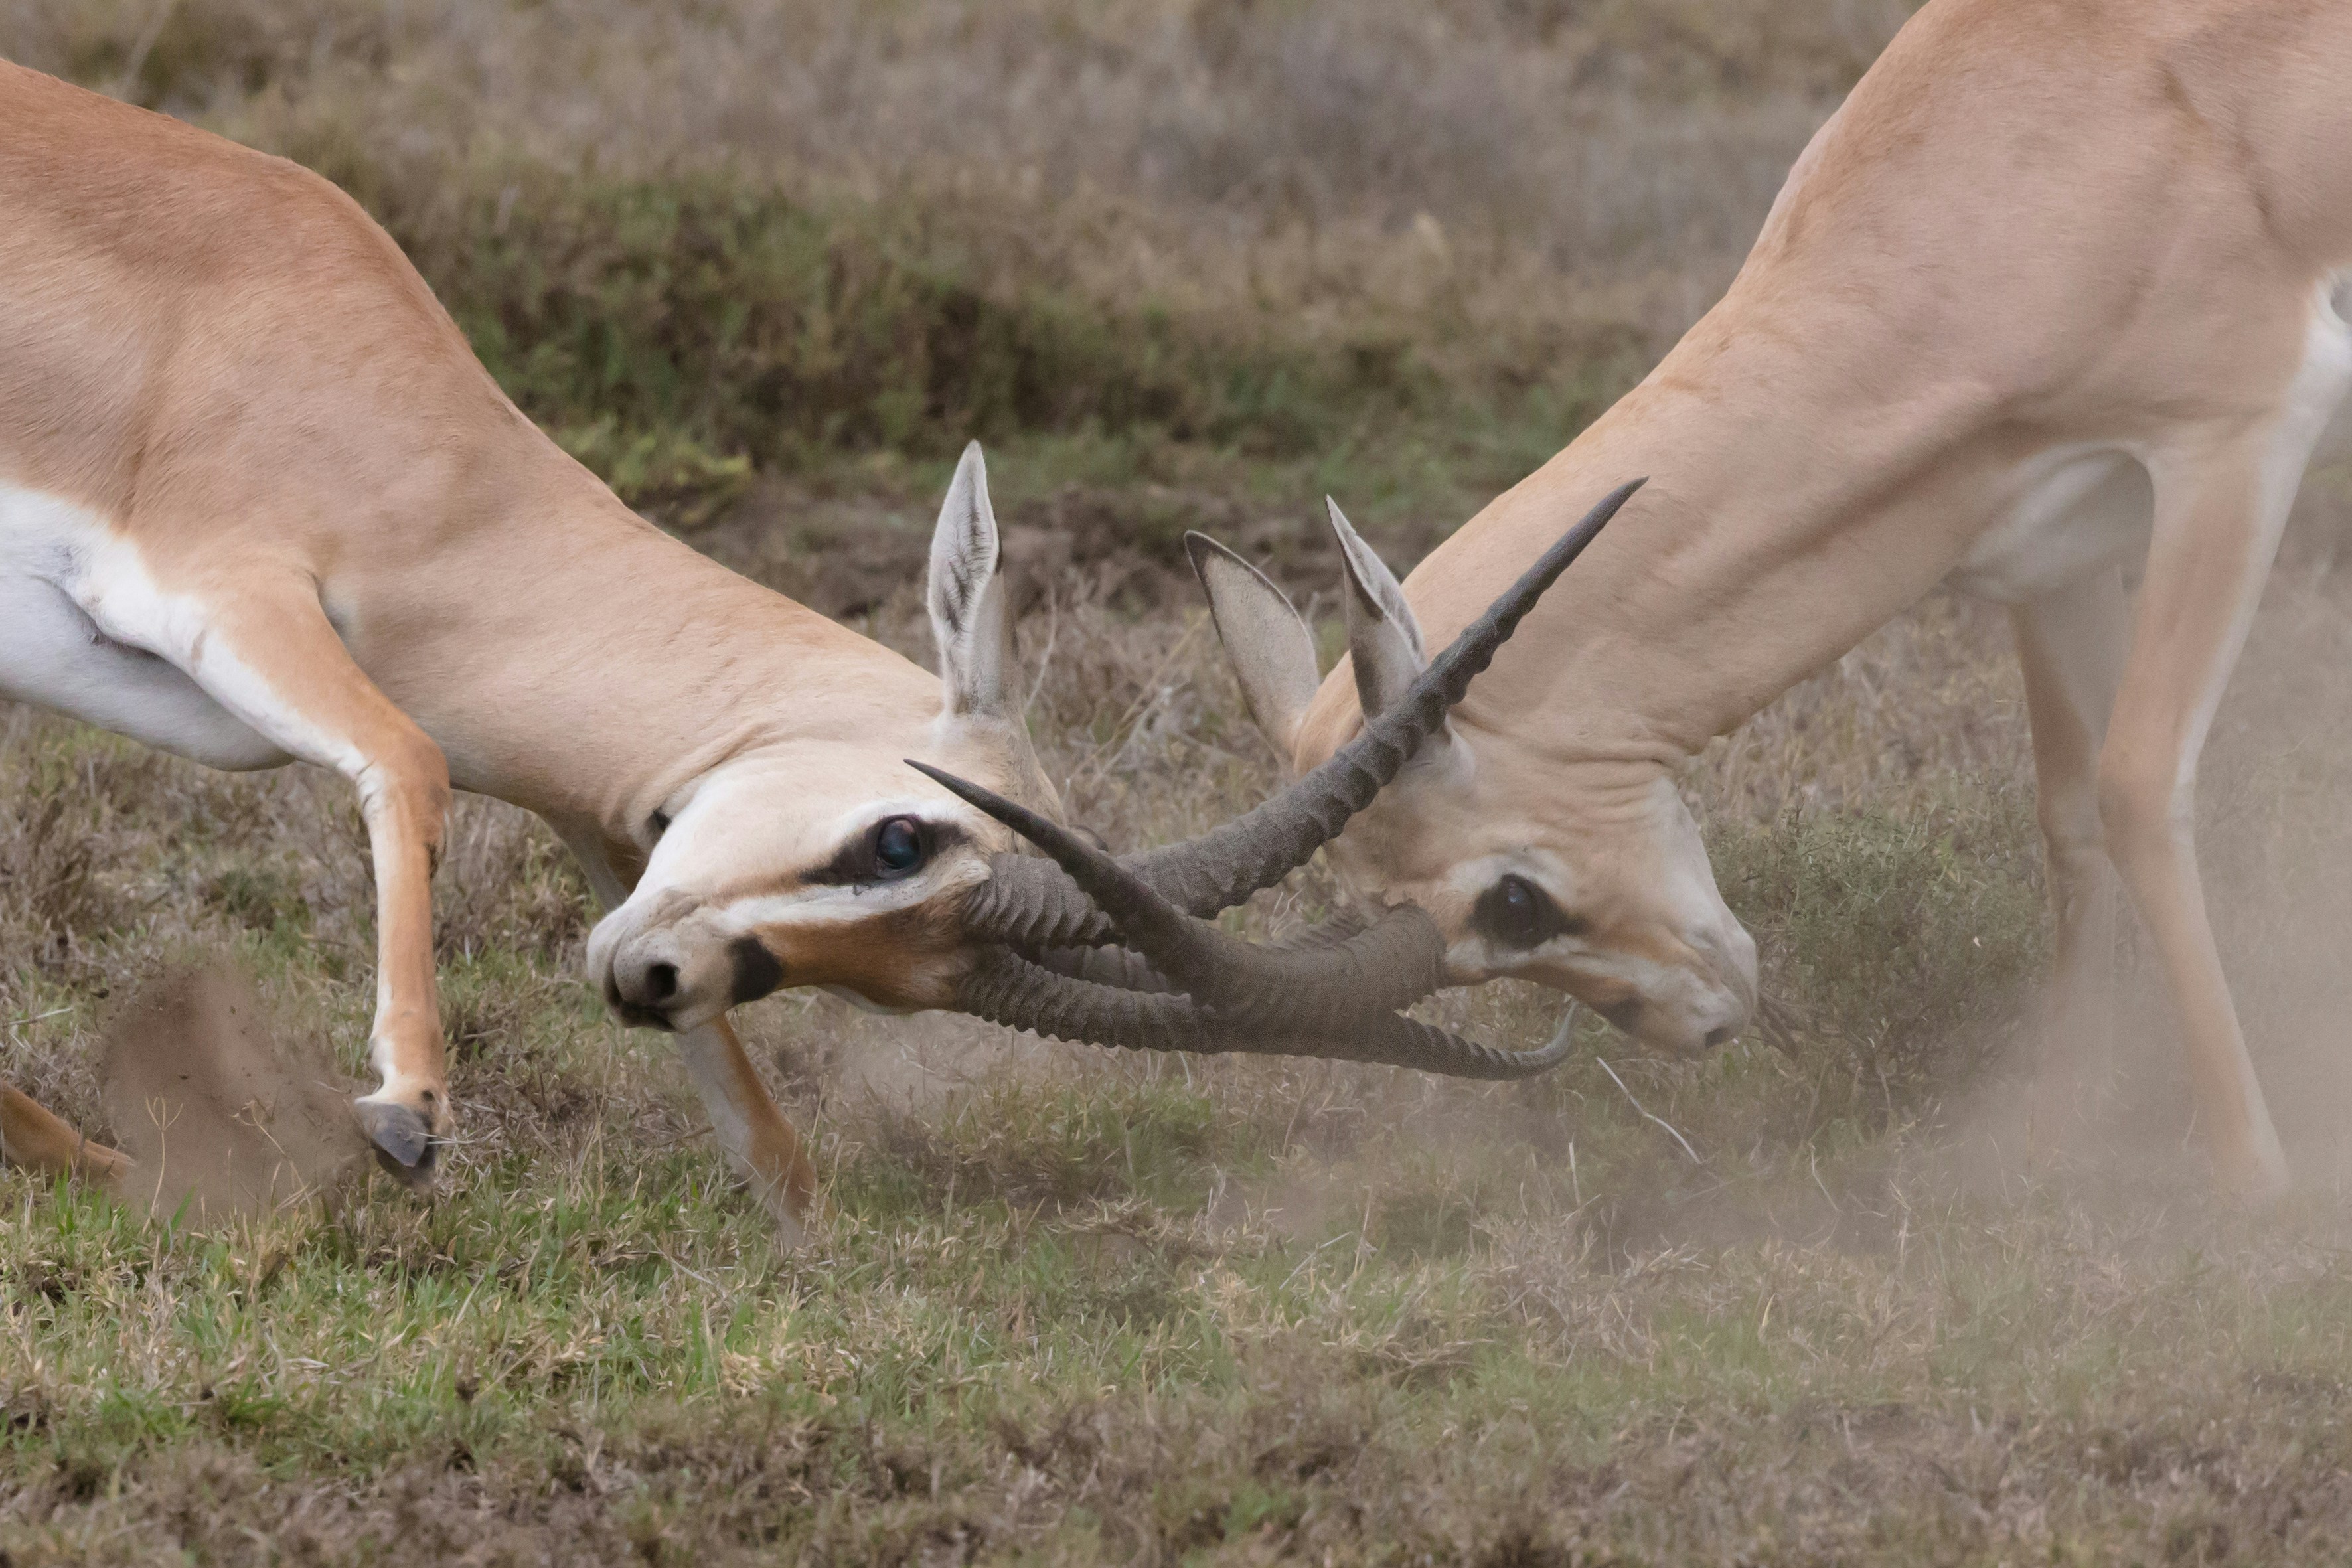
[220,1117]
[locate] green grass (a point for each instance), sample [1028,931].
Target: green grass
[1071,1306]
[678,334]
[599,1356]
[1805,1304]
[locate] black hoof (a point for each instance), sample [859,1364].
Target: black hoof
[404,1144]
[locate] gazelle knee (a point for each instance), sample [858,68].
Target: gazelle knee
[2073,836]
[2143,813]
[411,787]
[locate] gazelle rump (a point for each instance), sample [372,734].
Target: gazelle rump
[2048,297]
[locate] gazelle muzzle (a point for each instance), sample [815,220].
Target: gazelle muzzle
[1164,978]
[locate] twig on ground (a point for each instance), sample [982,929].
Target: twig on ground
[1645,1110]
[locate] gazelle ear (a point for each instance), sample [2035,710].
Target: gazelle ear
[1383,639]
[1273,653]
[967,597]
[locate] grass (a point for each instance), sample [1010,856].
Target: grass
[766,267]
[1073,1306]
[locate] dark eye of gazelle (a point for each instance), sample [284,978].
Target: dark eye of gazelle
[898,846]
[1516,913]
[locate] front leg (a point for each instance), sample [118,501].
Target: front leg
[760,1145]
[2219,512]
[262,648]
[2071,645]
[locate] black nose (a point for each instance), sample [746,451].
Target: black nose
[1721,1037]
[642,987]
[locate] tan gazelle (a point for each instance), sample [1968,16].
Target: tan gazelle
[2051,300]
[258,502]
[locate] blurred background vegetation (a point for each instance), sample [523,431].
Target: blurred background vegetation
[1413,244]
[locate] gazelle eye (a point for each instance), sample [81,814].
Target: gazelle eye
[898,846]
[1516,913]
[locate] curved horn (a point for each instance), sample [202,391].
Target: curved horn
[1223,867]
[1005,988]
[1393,963]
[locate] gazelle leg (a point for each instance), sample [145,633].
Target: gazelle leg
[761,1145]
[2219,512]
[270,656]
[2071,645]
[36,1139]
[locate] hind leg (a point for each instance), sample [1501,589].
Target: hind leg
[33,1136]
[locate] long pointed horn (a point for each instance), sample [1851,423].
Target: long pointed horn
[1025,905]
[1392,965]
[1008,989]
[1223,867]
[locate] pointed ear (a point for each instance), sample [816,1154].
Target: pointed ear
[967,595]
[1273,653]
[1383,639]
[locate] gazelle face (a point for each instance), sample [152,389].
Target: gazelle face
[1600,890]
[821,859]
[1591,880]
[779,870]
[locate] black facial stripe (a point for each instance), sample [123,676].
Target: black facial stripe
[853,864]
[757,970]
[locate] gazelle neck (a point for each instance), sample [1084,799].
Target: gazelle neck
[606,664]
[1766,463]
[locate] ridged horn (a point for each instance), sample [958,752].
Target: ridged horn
[1006,988]
[1025,905]
[1319,990]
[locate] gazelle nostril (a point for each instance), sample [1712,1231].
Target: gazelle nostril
[661,983]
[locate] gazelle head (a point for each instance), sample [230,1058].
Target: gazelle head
[1597,886]
[823,859]
[818,857]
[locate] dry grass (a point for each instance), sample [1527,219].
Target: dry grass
[1072,1306]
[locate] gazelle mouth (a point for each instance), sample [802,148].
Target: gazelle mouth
[1119,950]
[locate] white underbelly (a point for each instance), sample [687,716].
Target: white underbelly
[52,654]
[2077,509]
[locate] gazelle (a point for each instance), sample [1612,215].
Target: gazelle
[2049,295]
[258,502]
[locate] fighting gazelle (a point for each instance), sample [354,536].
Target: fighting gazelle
[259,503]
[2050,297]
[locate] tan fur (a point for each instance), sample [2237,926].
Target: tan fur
[36,1138]
[381,566]
[2035,224]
